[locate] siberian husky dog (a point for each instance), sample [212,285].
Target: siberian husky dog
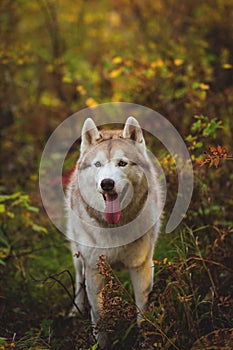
[113,204]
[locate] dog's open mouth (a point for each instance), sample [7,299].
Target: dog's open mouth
[112,211]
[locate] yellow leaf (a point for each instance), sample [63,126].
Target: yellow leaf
[203,86]
[178,62]
[157,64]
[81,90]
[90,102]
[34,177]
[227,66]
[117,60]
[115,73]
[10,215]
[2,208]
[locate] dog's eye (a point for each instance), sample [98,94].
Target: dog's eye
[122,163]
[97,164]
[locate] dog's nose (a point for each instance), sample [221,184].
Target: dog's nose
[107,185]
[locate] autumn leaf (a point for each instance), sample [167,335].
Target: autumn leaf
[213,158]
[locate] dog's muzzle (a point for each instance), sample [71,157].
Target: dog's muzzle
[112,211]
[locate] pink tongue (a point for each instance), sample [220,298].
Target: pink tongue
[112,210]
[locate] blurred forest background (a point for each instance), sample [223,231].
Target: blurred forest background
[176,57]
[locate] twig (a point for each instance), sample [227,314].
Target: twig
[54,277]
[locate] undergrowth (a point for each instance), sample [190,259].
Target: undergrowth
[191,302]
[173,57]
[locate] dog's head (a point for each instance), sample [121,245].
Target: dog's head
[111,167]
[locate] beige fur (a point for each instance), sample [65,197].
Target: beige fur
[89,231]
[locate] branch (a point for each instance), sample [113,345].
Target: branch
[54,277]
[214,156]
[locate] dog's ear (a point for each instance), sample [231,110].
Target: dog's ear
[133,131]
[90,134]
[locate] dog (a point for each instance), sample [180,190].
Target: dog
[113,204]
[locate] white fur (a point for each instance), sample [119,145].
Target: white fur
[137,255]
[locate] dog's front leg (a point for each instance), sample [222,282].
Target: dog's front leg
[79,282]
[94,285]
[142,280]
